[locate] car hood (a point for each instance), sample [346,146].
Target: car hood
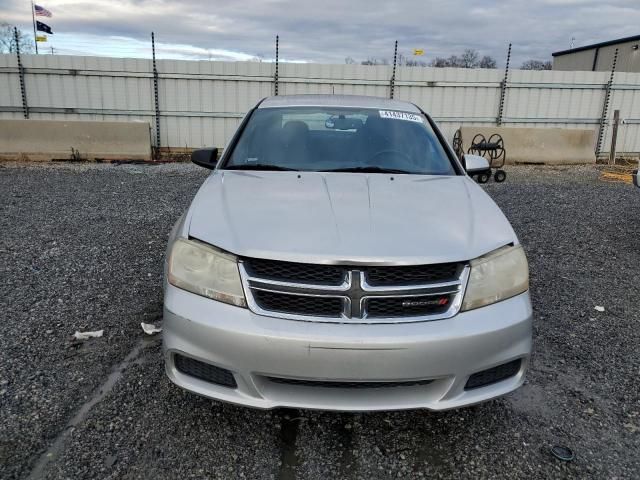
[353,218]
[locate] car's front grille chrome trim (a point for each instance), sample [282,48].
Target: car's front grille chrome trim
[354,293]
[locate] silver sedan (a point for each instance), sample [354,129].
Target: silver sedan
[339,256]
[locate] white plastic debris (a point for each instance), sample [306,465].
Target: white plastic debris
[150,328]
[87,335]
[599,308]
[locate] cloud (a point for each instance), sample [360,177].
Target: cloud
[330,30]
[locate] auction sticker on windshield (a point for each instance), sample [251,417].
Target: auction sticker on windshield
[411,117]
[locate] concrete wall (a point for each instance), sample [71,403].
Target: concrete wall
[52,140]
[549,146]
[628,59]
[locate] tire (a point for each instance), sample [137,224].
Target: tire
[484,177]
[500,176]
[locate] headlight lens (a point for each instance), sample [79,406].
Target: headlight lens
[499,275]
[204,270]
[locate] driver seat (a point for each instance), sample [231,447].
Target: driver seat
[372,138]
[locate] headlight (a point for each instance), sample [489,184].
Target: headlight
[496,276]
[206,271]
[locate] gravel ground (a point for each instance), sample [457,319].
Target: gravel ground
[81,248]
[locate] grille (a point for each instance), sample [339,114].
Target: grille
[411,275]
[339,293]
[493,375]
[347,384]
[204,371]
[295,272]
[298,304]
[407,306]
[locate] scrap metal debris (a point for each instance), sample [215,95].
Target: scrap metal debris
[150,328]
[87,335]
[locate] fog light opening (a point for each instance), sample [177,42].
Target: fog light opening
[493,375]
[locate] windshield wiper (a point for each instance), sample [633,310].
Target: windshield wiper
[260,166]
[370,169]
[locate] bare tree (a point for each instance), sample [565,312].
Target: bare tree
[453,61]
[469,58]
[487,62]
[440,62]
[407,61]
[536,65]
[414,63]
[8,42]
[349,61]
[375,61]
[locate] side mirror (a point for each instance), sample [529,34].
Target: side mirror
[205,157]
[475,164]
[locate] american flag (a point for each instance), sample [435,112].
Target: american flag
[41,11]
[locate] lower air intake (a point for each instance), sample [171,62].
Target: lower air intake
[493,375]
[204,371]
[347,384]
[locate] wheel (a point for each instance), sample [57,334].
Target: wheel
[457,144]
[500,176]
[483,177]
[496,140]
[497,153]
[478,140]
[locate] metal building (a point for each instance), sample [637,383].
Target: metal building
[599,56]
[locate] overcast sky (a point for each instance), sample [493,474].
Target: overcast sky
[327,31]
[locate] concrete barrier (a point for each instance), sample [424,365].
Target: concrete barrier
[42,140]
[549,146]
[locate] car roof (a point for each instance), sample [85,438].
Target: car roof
[356,101]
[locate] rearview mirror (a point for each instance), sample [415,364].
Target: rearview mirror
[475,164]
[205,157]
[340,122]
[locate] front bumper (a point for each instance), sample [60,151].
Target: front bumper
[255,347]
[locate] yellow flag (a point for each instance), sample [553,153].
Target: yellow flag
[418,51]
[41,38]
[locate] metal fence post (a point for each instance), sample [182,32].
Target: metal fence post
[614,137]
[275,76]
[155,93]
[23,89]
[605,106]
[392,84]
[503,88]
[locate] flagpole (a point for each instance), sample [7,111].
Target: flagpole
[35,35]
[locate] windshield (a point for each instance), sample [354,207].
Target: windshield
[339,139]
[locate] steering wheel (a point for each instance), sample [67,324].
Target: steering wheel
[407,159]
